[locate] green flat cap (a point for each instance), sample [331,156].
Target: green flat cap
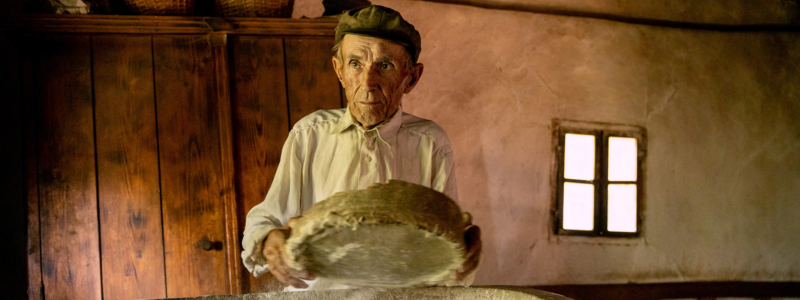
[380,22]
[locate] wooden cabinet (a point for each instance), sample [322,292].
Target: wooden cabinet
[149,138]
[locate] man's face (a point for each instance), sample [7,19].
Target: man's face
[374,76]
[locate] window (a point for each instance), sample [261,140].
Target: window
[599,188]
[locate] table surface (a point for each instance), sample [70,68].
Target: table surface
[477,292]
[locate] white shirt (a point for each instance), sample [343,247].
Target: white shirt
[328,152]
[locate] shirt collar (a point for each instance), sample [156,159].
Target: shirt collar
[387,132]
[345,122]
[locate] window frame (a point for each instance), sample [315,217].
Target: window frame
[601,131]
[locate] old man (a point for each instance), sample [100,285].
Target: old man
[372,140]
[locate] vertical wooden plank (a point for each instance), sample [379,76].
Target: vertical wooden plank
[261,124]
[231,243]
[127,168]
[189,154]
[61,68]
[312,83]
[31,183]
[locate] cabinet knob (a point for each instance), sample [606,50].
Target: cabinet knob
[205,244]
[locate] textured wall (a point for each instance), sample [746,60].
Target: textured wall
[722,110]
[702,11]
[723,12]
[696,11]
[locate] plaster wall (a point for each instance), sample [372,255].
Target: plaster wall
[694,11]
[700,11]
[722,112]
[719,12]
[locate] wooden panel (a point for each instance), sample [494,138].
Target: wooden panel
[261,123]
[67,185]
[312,83]
[127,168]
[31,184]
[284,27]
[66,23]
[189,153]
[171,25]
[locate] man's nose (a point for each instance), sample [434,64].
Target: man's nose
[370,77]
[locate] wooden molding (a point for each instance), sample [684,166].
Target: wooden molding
[106,24]
[284,27]
[101,24]
[228,194]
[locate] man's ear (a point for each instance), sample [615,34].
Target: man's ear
[337,67]
[416,73]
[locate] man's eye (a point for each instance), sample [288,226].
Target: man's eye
[354,65]
[385,66]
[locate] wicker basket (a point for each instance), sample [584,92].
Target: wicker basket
[254,8]
[160,7]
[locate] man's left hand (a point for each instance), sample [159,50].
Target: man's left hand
[472,240]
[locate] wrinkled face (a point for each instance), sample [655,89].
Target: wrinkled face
[374,76]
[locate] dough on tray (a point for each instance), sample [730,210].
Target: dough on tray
[396,234]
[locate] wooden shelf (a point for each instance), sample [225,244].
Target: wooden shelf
[113,24]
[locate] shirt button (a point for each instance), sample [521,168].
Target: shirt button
[368,159]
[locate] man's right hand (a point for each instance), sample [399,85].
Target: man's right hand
[275,252]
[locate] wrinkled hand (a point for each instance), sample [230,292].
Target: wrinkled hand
[472,240]
[275,252]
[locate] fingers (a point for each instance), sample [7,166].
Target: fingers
[469,265]
[274,252]
[292,220]
[295,282]
[472,239]
[472,236]
[466,218]
[301,274]
[278,250]
[471,261]
[284,273]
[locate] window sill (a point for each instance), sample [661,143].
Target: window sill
[596,240]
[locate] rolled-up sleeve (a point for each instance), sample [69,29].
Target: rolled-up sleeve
[281,203]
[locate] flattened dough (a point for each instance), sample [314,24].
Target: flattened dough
[396,234]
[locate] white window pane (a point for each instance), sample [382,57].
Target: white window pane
[622,207]
[579,156]
[622,159]
[578,206]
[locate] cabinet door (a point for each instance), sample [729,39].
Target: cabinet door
[261,124]
[193,182]
[57,71]
[132,166]
[127,167]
